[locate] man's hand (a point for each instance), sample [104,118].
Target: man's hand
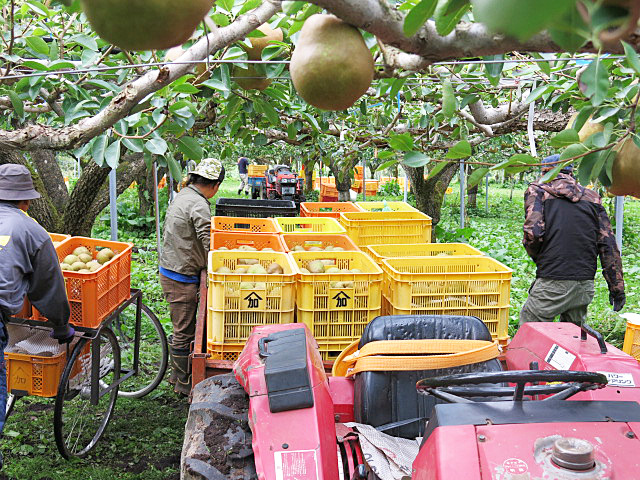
[617,301]
[63,334]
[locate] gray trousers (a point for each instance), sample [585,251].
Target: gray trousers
[183,307]
[549,298]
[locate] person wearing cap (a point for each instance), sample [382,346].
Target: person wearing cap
[185,247]
[28,265]
[243,172]
[566,229]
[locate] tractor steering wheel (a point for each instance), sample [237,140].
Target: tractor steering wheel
[456,389]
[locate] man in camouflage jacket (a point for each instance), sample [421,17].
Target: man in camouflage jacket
[566,228]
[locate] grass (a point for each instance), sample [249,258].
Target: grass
[144,438]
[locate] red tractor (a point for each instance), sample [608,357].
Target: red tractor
[565,407]
[283,184]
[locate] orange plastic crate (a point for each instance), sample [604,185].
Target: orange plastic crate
[94,296]
[231,240]
[322,240]
[243,225]
[327,209]
[36,375]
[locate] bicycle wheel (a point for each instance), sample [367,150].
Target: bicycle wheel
[77,423]
[153,355]
[11,402]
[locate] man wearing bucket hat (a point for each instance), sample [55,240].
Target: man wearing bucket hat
[566,229]
[28,265]
[185,247]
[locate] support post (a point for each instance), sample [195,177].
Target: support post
[486,194]
[619,220]
[364,178]
[462,192]
[170,186]
[157,207]
[530,132]
[406,187]
[113,204]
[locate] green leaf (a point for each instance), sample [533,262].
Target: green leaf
[38,45]
[156,146]
[437,169]
[415,159]
[86,41]
[292,7]
[570,31]
[632,57]
[448,13]
[551,174]
[386,154]
[249,5]
[449,103]
[600,162]
[517,159]
[571,151]
[174,167]
[41,67]
[460,150]
[18,104]
[565,138]
[386,165]
[98,149]
[190,148]
[133,144]
[112,154]
[402,142]
[494,70]
[585,169]
[418,15]
[186,88]
[536,93]
[268,110]
[519,18]
[476,176]
[582,118]
[596,78]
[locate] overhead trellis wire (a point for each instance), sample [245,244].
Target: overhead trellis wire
[267,62]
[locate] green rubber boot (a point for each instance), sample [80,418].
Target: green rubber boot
[180,364]
[173,374]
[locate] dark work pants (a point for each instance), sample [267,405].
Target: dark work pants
[183,307]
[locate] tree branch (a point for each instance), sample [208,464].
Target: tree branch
[44,136]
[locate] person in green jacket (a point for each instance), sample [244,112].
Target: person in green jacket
[185,247]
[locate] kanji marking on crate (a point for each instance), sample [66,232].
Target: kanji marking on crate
[254,301]
[342,300]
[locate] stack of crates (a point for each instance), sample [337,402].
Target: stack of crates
[449,285]
[327,209]
[257,170]
[374,228]
[337,306]
[328,191]
[379,253]
[227,241]
[239,301]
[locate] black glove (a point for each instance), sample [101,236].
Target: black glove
[617,301]
[64,334]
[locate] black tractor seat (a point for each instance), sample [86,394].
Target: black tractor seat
[383,398]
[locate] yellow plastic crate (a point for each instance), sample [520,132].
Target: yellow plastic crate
[257,170]
[379,206]
[376,228]
[308,225]
[382,252]
[477,286]
[233,311]
[632,335]
[337,314]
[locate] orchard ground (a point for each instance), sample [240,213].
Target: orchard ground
[144,438]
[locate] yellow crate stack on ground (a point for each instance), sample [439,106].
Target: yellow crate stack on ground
[382,252]
[477,286]
[376,228]
[337,306]
[386,207]
[304,225]
[240,301]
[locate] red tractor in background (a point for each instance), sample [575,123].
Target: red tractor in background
[283,184]
[562,405]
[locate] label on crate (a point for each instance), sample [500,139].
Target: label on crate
[253,300]
[341,298]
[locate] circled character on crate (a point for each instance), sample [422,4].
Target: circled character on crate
[185,247]
[28,266]
[566,229]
